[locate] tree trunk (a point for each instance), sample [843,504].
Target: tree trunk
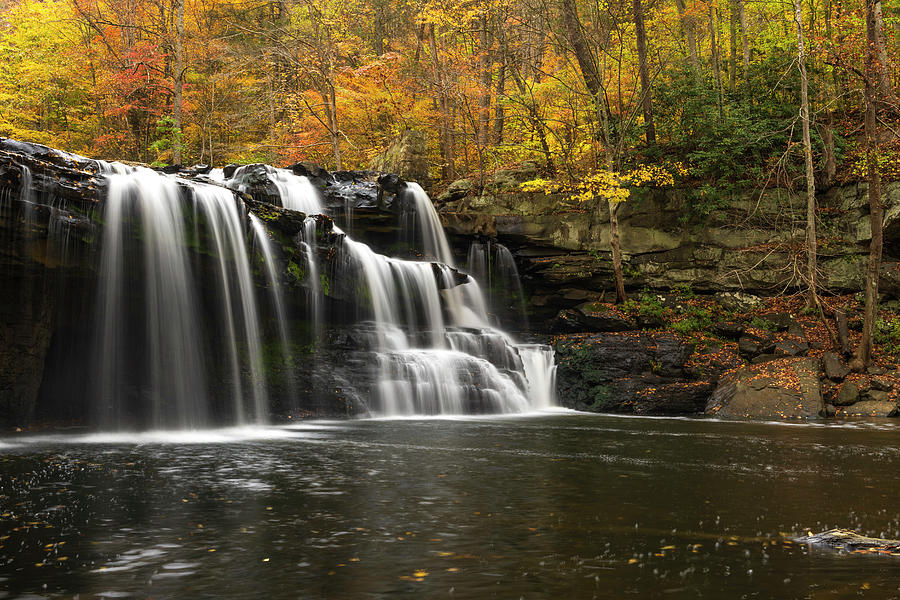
[714,54]
[178,73]
[580,47]
[378,33]
[732,63]
[690,35]
[876,42]
[646,100]
[499,116]
[829,169]
[745,42]
[484,104]
[812,298]
[616,251]
[448,152]
[874,69]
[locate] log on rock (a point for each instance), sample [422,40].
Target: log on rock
[849,540]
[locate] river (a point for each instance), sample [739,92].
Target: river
[556,505]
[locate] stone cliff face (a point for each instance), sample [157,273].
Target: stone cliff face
[754,243]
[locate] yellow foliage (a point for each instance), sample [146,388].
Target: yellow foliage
[612,186]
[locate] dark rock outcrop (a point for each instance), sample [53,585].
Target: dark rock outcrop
[634,373]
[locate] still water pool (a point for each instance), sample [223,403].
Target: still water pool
[548,506]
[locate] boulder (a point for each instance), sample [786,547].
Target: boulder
[835,370]
[737,301]
[752,345]
[631,372]
[877,396]
[457,190]
[791,345]
[870,408]
[881,385]
[786,388]
[848,394]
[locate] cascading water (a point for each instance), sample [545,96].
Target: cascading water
[152,370]
[434,242]
[295,192]
[493,264]
[167,369]
[436,351]
[191,335]
[264,246]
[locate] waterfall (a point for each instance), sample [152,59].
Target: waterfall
[264,246]
[178,325]
[294,191]
[434,241]
[493,264]
[436,352]
[25,188]
[152,370]
[164,357]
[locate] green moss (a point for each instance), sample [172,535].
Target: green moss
[325,283]
[296,271]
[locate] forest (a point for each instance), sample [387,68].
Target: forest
[709,91]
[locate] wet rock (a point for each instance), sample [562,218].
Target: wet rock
[633,373]
[786,388]
[847,539]
[875,370]
[880,385]
[835,370]
[737,301]
[600,317]
[752,345]
[848,394]
[877,395]
[318,176]
[574,320]
[870,408]
[731,329]
[830,410]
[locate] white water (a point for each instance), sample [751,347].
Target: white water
[435,351]
[152,370]
[174,377]
[264,246]
[433,238]
[296,192]
[494,265]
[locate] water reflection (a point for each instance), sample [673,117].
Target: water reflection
[537,507]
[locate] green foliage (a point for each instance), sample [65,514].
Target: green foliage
[166,136]
[762,323]
[887,335]
[750,141]
[697,320]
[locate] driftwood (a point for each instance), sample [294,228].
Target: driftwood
[850,541]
